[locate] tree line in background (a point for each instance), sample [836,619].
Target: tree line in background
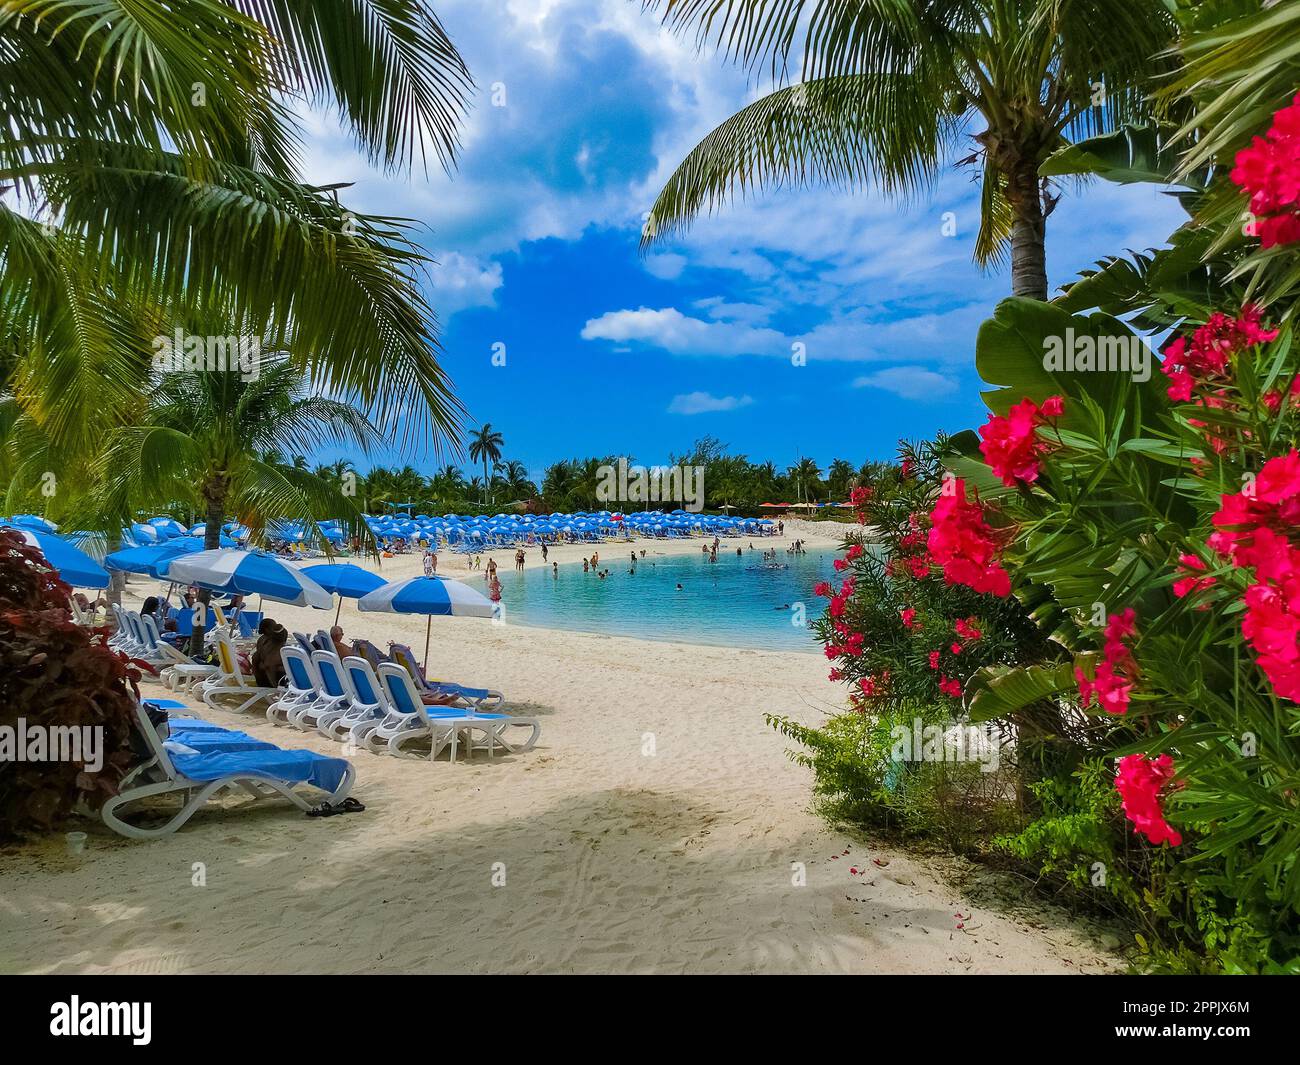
[573,484]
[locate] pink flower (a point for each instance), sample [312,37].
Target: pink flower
[950,686]
[1209,353]
[1010,444]
[1111,683]
[934,659]
[1185,586]
[1269,170]
[1139,781]
[919,567]
[908,614]
[961,542]
[966,629]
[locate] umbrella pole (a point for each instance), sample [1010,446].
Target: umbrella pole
[338,611]
[428,626]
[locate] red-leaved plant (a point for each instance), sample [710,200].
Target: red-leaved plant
[55,673]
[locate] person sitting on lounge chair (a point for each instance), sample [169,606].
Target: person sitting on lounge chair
[171,632]
[266,663]
[341,647]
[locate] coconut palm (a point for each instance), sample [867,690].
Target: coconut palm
[448,485]
[839,475]
[890,89]
[807,478]
[148,173]
[514,478]
[485,446]
[203,437]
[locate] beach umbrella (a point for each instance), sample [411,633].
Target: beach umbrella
[74,567]
[33,521]
[428,596]
[345,580]
[144,534]
[150,557]
[167,526]
[248,573]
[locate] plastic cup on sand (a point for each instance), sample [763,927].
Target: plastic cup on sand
[76,842]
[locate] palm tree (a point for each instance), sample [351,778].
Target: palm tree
[148,176]
[448,485]
[203,437]
[839,474]
[514,476]
[890,89]
[806,476]
[485,445]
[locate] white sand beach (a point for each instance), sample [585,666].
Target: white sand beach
[658,827]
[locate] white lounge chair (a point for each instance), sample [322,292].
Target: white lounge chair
[209,768]
[411,721]
[303,685]
[332,694]
[180,672]
[368,706]
[230,682]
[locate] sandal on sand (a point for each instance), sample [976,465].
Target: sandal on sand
[347,806]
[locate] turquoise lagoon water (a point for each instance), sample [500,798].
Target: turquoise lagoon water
[734,602]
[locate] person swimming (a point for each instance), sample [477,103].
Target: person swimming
[679,587]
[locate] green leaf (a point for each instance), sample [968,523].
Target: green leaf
[1129,155]
[1002,690]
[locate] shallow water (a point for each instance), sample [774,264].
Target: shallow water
[734,602]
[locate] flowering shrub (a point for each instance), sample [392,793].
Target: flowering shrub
[906,638]
[1147,530]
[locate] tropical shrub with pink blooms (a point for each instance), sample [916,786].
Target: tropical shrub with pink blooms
[906,641]
[1137,504]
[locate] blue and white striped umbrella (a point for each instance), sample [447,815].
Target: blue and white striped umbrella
[73,566]
[248,573]
[428,596]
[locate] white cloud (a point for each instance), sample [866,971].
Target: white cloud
[665,266]
[669,329]
[462,281]
[706,403]
[909,382]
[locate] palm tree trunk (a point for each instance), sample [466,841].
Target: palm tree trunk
[1028,250]
[215,494]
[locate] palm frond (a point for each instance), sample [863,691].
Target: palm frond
[387,65]
[844,131]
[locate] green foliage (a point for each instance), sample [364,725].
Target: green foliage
[1127,489]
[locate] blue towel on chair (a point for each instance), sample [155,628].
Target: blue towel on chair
[290,767]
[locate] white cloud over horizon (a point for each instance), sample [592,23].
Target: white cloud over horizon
[706,403]
[910,382]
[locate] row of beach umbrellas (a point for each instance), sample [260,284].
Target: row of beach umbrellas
[243,572]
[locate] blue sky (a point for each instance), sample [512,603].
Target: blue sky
[583,108]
